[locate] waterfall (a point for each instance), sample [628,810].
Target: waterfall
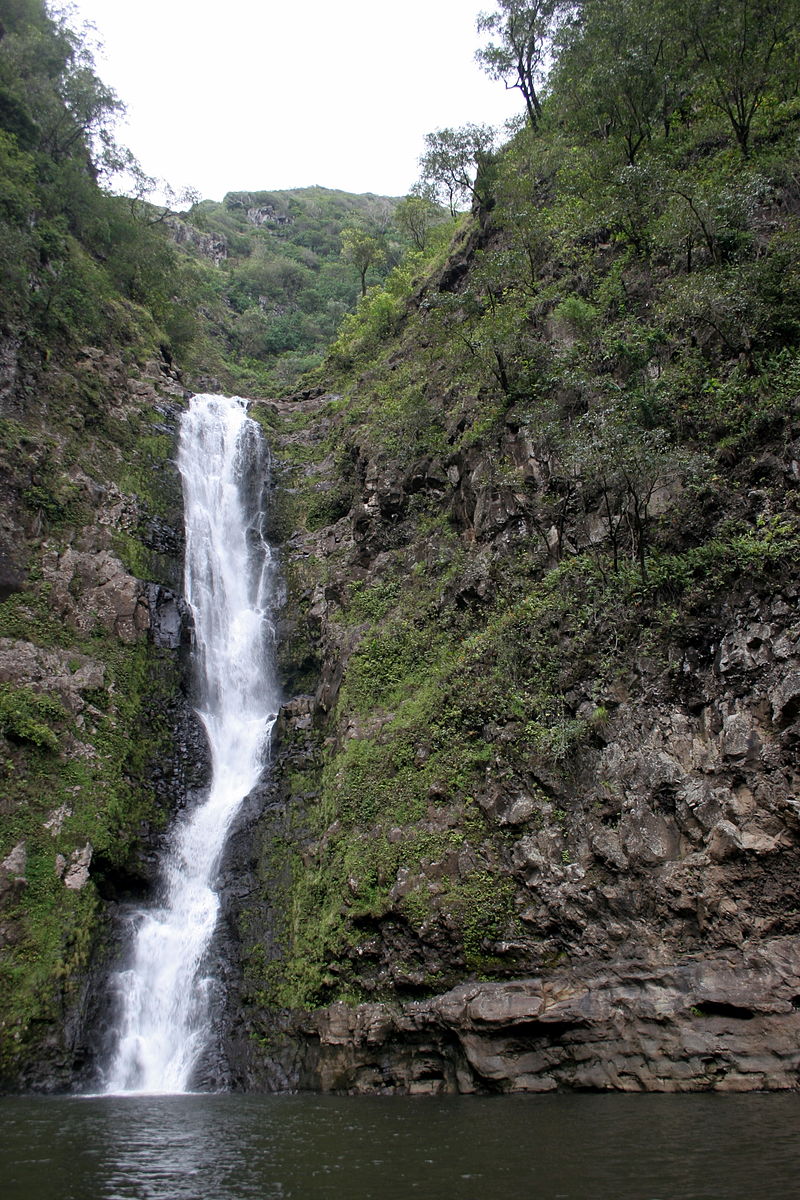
[164,1017]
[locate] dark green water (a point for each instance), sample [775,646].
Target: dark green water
[580,1147]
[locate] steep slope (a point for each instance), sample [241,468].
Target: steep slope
[533,818]
[535,821]
[96,737]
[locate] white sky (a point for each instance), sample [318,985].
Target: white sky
[269,94]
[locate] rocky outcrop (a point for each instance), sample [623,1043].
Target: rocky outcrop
[632,879]
[50,669]
[91,587]
[208,245]
[724,1024]
[266,214]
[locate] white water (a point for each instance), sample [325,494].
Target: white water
[164,1020]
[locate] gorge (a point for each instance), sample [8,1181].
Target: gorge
[527,651]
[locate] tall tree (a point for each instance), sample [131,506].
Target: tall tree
[363,249]
[456,164]
[745,50]
[523,33]
[620,72]
[417,214]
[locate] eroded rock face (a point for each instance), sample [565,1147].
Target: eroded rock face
[63,672]
[654,939]
[97,733]
[725,1024]
[210,245]
[108,594]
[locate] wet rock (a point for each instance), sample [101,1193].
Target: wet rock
[12,577]
[740,739]
[649,868]
[727,840]
[509,808]
[170,618]
[631,1026]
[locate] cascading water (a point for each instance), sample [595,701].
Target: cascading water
[164,1018]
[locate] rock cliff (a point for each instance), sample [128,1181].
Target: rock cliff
[527,828]
[532,816]
[97,740]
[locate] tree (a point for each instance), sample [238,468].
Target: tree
[363,249]
[47,82]
[417,214]
[627,466]
[457,165]
[524,30]
[745,49]
[621,71]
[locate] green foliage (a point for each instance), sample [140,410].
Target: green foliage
[363,249]
[293,265]
[481,902]
[577,314]
[27,717]
[69,249]
[419,217]
[456,165]
[371,603]
[361,332]
[524,31]
[387,663]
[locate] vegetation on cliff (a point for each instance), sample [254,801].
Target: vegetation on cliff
[555,469]
[538,506]
[88,325]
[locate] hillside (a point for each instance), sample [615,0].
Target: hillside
[532,820]
[271,279]
[538,794]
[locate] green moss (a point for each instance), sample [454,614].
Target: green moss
[94,778]
[28,717]
[325,508]
[482,904]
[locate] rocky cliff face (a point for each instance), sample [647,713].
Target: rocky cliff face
[525,829]
[532,818]
[97,741]
[596,892]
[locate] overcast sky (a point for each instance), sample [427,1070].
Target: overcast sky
[270,94]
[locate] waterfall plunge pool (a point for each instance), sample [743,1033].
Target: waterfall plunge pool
[307,1147]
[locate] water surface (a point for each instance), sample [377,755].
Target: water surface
[562,1147]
